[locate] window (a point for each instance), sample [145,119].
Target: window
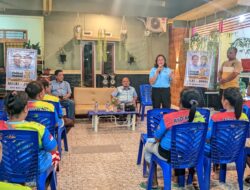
[88,64]
[108,66]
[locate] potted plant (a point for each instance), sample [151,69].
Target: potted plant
[36,46]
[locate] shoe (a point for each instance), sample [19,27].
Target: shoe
[144,185]
[69,122]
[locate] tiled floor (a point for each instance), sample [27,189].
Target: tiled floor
[106,160]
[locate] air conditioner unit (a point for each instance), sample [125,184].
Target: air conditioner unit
[87,33]
[156,24]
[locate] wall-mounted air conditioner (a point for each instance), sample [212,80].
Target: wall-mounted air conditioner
[156,24]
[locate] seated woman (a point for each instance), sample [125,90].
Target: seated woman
[17,109]
[161,147]
[36,93]
[232,103]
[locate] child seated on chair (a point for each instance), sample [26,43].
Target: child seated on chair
[36,94]
[232,103]
[17,109]
[161,147]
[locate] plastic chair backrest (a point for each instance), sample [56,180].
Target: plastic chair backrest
[146,93]
[3,115]
[246,110]
[57,106]
[205,113]
[228,140]
[45,118]
[187,144]
[19,156]
[154,117]
[1,104]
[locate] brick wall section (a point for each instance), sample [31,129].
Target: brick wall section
[176,47]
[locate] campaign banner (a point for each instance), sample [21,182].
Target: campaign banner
[21,68]
[198,69]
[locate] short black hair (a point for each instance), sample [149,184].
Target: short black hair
[58,71]
[33,89]
[45,83]
[233,48]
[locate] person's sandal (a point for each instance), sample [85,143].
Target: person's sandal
[144,185]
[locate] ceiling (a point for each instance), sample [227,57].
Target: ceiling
[207,9]
[177,9]
[154,8]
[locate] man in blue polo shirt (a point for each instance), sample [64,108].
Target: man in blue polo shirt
[61,89]
[125,93]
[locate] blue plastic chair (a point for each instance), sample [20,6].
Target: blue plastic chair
[187,146]
[45,118]
[227,145]
[154,117]
[61,132]
[3,115]
[1,104]
[145,97]
[205,112]
[20,159]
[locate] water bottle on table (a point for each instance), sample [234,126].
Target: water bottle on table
[122,107]
[107,106]
[96,107]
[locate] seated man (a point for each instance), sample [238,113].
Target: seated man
[61,89]
[125,93]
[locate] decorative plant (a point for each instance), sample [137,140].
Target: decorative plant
[242,43]
[196,42]
[36,46]
[213,42]
[114,101]
[102,46]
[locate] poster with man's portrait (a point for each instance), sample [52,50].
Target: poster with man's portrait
[20,68]
[198,69]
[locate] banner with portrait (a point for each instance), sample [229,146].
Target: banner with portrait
[20,68]
[198,69]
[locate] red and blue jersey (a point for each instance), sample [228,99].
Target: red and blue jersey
[37,105]
[50,98]
[46,141]
[247,103]
[170,120]
[220,116]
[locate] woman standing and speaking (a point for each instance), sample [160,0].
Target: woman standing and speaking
[160,78]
